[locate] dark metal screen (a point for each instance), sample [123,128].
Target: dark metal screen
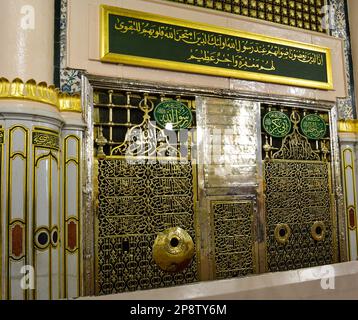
[305,14]
[300,219]
[146,183]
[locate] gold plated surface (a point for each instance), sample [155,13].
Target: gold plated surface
[39,92]
[142,189]
[318,231]
[304,14]
[348,126]
[233,238]
[282,233]
[173,249]
[297,187]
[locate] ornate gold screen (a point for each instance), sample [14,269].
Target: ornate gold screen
[233,238]
[143,189]
[304,14]
[300,220]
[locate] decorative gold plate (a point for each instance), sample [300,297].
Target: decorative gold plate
[173,249]
[282,233]
[318,231]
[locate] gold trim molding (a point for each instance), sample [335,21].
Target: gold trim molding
[348,126]
[39,92]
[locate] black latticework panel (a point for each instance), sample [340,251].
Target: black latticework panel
[136,202]
[305,14]
[298,195]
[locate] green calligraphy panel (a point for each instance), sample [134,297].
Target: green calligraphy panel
[137,38]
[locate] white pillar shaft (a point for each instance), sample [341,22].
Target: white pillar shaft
[27,40]
[353,27]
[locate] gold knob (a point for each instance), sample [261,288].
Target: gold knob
[173,249]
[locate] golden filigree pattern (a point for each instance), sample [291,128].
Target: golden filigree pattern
[295,145]
[136,202]
[233,238]
[298,195]
[125,125]
[304,14]
[46,140]
[2,136]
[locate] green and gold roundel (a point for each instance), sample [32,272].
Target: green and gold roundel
[313,127]
[277,124]
[173,115]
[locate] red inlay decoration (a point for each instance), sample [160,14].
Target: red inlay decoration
[72,235]
[17,241]
[352,216]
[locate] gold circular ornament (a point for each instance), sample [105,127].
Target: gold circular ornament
[318,231]
[282,233]
[173,249]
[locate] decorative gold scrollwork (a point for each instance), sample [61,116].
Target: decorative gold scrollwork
[173,249]
[318,231]
[282,233]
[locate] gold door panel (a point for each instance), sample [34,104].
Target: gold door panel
[299,206]
[299,224]
[135,203]
[233,238]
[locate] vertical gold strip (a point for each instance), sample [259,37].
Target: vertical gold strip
[96,230]
[42,157]
[34,220]
[354,204]
[64,226]
[1,204]
[333,215]
[10,157]
[50,225]
[78,153]
[67,160]
[59,229]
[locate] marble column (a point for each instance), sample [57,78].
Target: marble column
[32,137]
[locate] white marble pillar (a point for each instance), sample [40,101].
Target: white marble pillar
[353,29]
[349,159]
[27,39]
[31,121]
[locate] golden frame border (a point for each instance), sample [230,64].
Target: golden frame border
[107,56]
[95,201]
[333,214]
[237,199]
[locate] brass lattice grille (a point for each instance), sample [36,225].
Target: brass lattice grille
[300,225]
[297,197]
[142,189]
[116,112]
[305,14]
[233,238]
[136,201]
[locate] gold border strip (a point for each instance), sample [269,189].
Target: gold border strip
[10,158]
[50,156]
[348,126]
[107,56]
[40,92]
[239,200]
[1,212]
[350,205]
[66,161]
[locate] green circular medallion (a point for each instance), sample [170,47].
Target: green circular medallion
[313,127]
[277,124]
[173,115]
